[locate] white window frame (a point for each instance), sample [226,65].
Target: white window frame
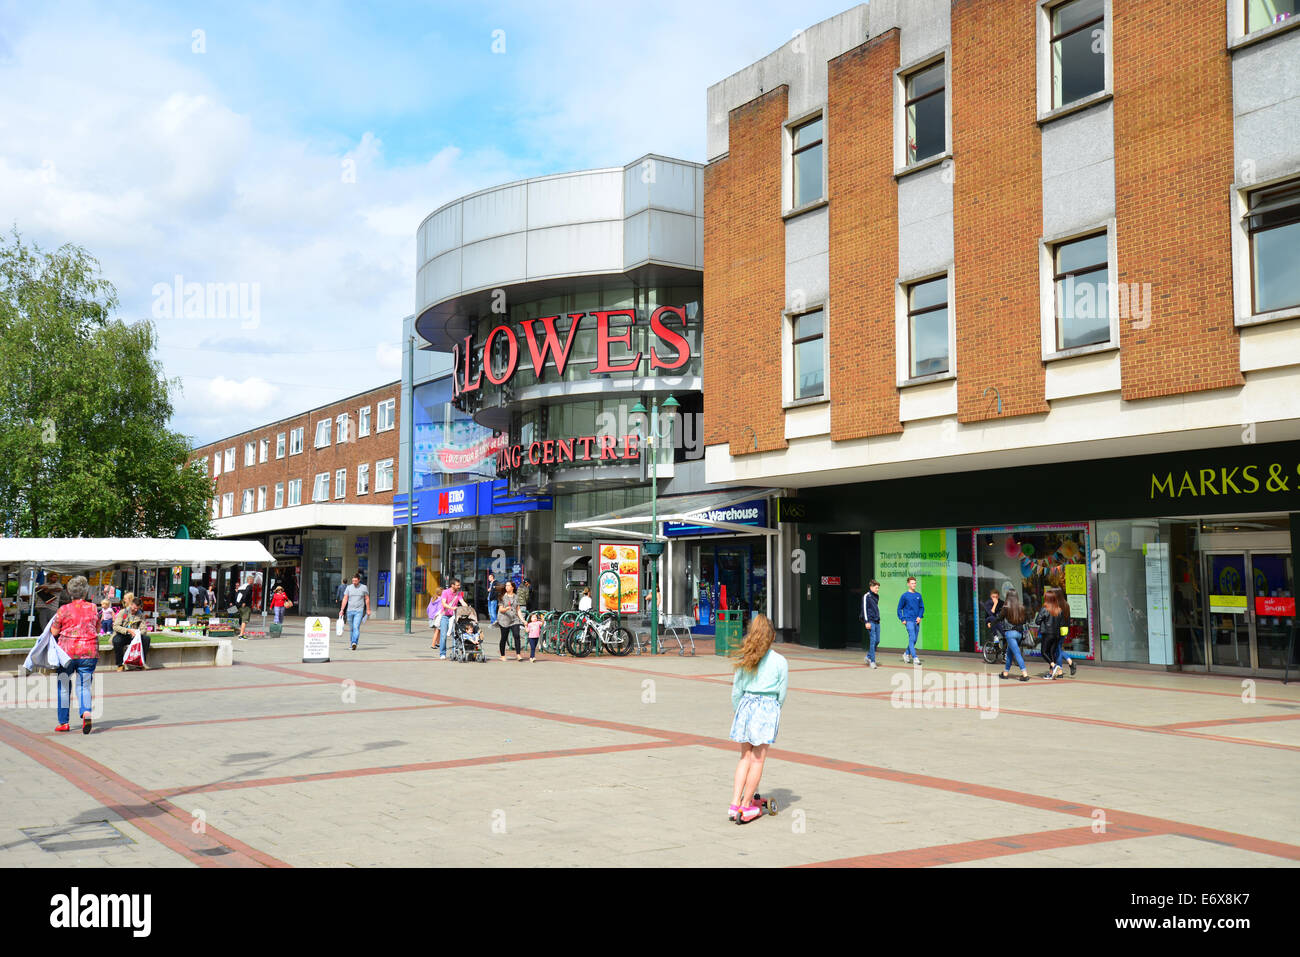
[379,471]
[340,483]
[1047,291]
[261,498]
[363,421]
[250,454]
[228,505]
[1243,282]
[363,478]
[1238,23]
[787,356]
[391,406]
[901,76]
[230,459]
[787,162]
[295,492]
[903,332]
[327,431]
[279,445]
[263,451]
[1046,112]
[342,426]
[216,465]
[216,507]
[279,495]
[296,438]
[319,484]
[246,502]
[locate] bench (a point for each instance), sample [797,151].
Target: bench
[203,652]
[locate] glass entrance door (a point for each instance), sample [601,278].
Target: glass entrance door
[1250,610]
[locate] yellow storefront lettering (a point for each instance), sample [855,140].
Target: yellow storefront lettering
[1167,486]
[1247,473]
[1207,478]
[1188,485]
[1228,483]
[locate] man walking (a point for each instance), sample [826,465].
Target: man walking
[911,609]
[244,602]
[356,605]
[871,615]
[525,591]
[492,597]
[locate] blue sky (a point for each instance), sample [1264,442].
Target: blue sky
[290,151]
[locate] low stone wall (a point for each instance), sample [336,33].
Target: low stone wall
[200,653]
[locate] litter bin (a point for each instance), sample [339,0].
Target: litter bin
[728,635]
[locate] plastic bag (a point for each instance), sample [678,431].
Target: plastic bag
[338,627]
[134,652]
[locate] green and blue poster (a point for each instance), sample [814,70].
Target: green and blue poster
[931,556]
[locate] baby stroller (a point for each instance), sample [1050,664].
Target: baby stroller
[466,639]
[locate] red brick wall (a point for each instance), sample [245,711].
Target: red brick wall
[863,239]
[744,281]
[997,208]
[372,448]
[1173,170]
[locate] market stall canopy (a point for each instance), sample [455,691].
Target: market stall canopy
[706,509]
[72,555]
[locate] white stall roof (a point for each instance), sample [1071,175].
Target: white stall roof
[87,554]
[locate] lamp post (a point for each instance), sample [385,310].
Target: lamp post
[655,548]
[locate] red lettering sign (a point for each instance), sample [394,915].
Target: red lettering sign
[511,362]
[670,338]
[1275,606]
[551,344]
[830,579]
[604,340]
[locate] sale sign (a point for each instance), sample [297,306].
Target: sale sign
[1275,606]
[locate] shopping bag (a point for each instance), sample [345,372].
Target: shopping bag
[38,657]
[338,627]
[134,652]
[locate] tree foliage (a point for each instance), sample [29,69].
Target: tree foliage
[85,447]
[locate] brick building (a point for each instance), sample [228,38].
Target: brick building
[1020,289]
[317,489]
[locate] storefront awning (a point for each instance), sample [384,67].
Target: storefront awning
[72,555]
[694,509]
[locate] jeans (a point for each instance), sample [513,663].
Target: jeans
[1012,639]
[1062,658]
[279,614]
[873,639]
[84,668]
[444,628]
[913,635]
[354,619]
[492,611]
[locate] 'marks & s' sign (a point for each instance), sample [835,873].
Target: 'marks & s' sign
[546,346]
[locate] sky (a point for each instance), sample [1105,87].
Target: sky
[271,162]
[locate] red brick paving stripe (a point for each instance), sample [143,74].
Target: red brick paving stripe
[1005,795]
[420,766]
[278,684]
[1218,721]
[142,808]
[269,717]
[985,849]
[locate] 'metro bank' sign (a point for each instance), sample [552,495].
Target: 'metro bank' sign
[547,347]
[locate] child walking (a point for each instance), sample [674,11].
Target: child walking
[534,634]
[757,693]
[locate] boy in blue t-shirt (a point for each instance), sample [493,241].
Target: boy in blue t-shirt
[911,609]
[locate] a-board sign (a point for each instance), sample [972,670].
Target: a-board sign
[316,639]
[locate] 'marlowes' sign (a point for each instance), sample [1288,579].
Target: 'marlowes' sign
[753,512]
[547,347]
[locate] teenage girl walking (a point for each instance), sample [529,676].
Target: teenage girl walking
[757,693]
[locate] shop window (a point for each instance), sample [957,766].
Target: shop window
[387,415]
[263,450]
[340,483]
[279,446]
[806,163]
[927,327]
[926,113]
[363,422]
[250,454]
[295,441]
[228,505]
[1273,225]
[384,476]
[279,495]
[1078,50]
[363,479]
[808,333]
[261,498]
[322,433]
[1266,13]
[1081,280]
[321,490]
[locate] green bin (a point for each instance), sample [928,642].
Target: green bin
[729,633]
[275,630]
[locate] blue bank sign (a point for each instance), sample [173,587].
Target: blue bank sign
[464,501]
[753,512]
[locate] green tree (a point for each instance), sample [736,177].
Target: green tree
[85,448]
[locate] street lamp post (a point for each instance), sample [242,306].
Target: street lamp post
[655,548]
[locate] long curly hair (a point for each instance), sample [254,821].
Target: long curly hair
[758,640]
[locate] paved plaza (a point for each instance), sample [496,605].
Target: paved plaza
[387,756]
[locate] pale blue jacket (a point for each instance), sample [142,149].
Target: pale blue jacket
[771,677]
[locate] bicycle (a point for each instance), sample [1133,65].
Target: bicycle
[599,634]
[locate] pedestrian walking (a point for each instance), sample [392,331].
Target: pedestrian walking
[758,691]
[1008,622]
[433,611]
[279,602]
[871,617]
[911,609]
[508,620]
[534,634]
[76,626]
[493,599]
[1054,620]
[450,600]
[525,595]
[244,604]
[356,605]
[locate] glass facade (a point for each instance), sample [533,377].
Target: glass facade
[450,447]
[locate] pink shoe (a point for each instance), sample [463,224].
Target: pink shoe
[749,813]
[732,811]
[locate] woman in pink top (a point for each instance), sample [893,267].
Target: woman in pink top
[76,626]
[451,599]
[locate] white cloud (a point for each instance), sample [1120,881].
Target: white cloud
[389,355]
[251,395]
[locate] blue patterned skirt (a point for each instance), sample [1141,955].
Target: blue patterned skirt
[756,720]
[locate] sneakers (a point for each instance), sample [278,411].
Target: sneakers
[916,661]
[442,657]
[749,813]
[1072,668]
[732,811]
[354,647]
[907,659]
[62,727]
[872,663]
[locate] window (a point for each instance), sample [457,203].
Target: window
[1078,39]
[322,433]
[261,498]
[295,441]
[386,412]
[363,479]
[263,450]
[216,508]
[1263,13]
[363,422]
[926,115]
[228,505]
[216,465]
[384,476]
[809,356]
[279,495]
[1273,224]
[1081,279]
[230,459]
[341,428]
[295,492]
[246,502]
[321,490]
[340,483]
[250,454]
[927,327]
[279,446]
[806,162]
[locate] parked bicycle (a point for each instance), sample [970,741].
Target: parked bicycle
[599,634]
